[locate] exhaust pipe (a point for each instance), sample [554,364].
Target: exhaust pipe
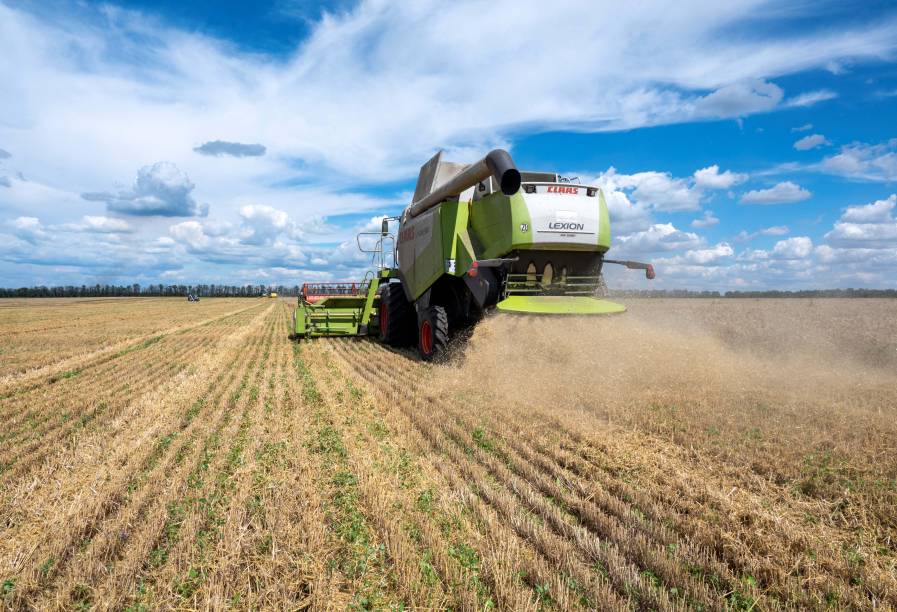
[497,163]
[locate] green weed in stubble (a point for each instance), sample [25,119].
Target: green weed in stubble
[425,500]
[139,346]
[578,590]
[347,519]
[189,585]
[64,375]
[266,544]
[482,440]
[378,429]
[46,566]
[543,596]
[310,393]
[211,507]
[468,558]
[82,597]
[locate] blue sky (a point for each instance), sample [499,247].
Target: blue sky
[741,145]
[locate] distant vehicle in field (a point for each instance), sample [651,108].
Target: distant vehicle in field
[192,297]
[273,294]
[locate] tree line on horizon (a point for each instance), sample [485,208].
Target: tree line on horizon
[157,290]
[213,290]
[771,293]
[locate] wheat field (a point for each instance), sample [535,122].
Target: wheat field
[690,454]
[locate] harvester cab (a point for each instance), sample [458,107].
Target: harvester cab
[475,237]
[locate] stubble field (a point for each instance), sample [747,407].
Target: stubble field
[691,454]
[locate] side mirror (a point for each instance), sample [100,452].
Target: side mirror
[384,227]
[649,272]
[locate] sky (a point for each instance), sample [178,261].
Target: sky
[741,145]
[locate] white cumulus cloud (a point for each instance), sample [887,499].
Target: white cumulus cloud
[160,189]
[879,211]
[263,224]
[703,257]
[659,237]
[775,230]
[100,225]
[656,190]
[797,247]
[708,220]
[29,229]
[811,142]
[873,162]
[869,226]
[190,233]
[712,178]
[785,192]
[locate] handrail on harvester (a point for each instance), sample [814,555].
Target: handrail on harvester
[379,248]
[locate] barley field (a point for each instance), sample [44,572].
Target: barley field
[691,454]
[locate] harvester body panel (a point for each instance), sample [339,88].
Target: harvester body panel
[500,223]
[565,217]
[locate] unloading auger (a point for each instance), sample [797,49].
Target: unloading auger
[475,237]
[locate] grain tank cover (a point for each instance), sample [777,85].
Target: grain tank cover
[439,181]
[434,174]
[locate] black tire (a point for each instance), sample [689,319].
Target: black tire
[433,334]
[395,316]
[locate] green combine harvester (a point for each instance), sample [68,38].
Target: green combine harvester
[475,237]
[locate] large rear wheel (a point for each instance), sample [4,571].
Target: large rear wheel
[433,333]
[396,316]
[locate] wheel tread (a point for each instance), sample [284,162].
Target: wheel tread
[399,316]
[438,317]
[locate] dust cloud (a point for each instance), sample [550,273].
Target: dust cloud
[809,365]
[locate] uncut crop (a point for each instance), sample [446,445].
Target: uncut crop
[688,455]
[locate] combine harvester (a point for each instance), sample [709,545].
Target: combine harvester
[476,237]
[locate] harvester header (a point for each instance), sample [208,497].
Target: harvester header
[474,238]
